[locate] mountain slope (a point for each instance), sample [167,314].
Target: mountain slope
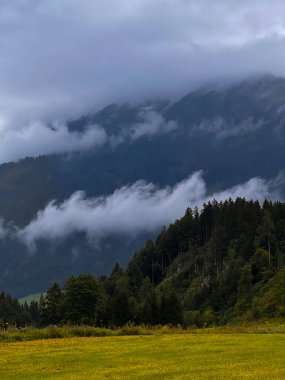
[224,263]
[232,134]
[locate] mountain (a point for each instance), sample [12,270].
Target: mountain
[221,265]
[232,133]
[224,263]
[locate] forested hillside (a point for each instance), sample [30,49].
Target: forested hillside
[232,133]
[222,264]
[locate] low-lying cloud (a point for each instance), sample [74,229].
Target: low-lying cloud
[38,139]
[153,123]
[222,128]
[132,209]
[63,58]
[3,229]
[66,57]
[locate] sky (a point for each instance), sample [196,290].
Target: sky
[62,58]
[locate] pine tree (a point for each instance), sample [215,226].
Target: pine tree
[265,235]
[83,301]
[51,312]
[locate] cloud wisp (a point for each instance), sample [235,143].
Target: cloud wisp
[38,139]
[222,128]
[152,123]
[132,209]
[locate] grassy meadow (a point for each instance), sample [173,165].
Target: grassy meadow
[32,297]
[157,356]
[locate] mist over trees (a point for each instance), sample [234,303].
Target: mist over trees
[220,132]
[222,264]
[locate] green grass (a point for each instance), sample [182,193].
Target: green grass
[30,298]
[164,356]
[63,332]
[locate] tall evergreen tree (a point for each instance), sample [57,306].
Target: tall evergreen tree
[83,300]
[51,310]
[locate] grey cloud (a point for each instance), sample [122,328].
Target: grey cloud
[224,128]
[132,209]
[66,57]
[151,123]
[3,230]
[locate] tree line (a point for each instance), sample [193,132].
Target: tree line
[223,263]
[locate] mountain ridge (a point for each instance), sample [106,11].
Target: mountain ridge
[233,135]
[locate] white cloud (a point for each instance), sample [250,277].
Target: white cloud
[36,139]
[255,188]
[131,209]
[153,123]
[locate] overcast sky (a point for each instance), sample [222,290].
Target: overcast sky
[60,58]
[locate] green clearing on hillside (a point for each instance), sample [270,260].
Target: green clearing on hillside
[212,356]
[31,297]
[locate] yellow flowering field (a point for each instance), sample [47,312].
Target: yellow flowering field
[177,356]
